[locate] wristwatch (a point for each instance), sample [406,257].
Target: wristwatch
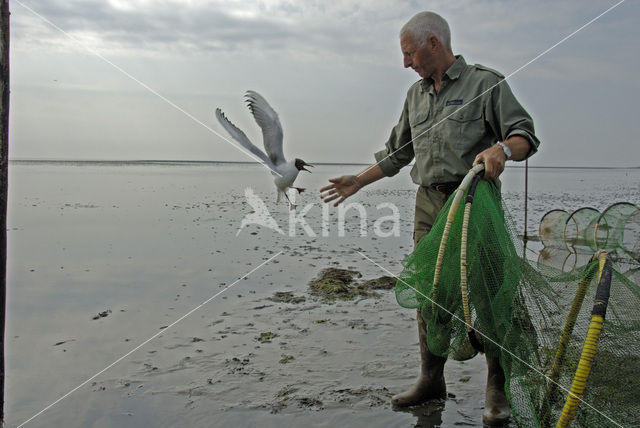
[507,150]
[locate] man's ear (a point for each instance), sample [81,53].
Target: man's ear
[433,43]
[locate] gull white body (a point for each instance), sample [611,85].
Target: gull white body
[287,175]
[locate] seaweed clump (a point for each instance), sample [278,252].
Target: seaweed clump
[342,284]
[286,297]
[381,283]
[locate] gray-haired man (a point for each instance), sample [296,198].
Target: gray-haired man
[456,116]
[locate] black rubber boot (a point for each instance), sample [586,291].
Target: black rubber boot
[496,406]
[430,385]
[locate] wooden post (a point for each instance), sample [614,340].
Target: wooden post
[4,166]
[526,198]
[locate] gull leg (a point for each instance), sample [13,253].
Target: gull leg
[300,189]
[291,205]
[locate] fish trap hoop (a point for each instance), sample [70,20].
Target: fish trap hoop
[611,232]
[551,228]
[577,227]
[563,259]
[630,241]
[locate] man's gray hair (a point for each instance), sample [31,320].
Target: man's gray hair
[423,24]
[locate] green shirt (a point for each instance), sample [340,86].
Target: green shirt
[445,131]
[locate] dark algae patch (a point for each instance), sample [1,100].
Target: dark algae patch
[342,284]
[382,283]
[286,297]
[265,337]
[286,358]
[102,314]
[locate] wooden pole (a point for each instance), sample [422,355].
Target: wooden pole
[4,166]
[526,197]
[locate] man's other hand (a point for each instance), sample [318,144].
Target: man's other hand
[493,159]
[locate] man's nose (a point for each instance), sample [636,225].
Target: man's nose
[407,61]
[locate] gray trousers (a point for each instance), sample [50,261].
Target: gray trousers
[429,202]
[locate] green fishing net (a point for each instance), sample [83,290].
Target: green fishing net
[518,311]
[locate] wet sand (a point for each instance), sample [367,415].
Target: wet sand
[103,257]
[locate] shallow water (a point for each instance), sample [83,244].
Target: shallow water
[145,244]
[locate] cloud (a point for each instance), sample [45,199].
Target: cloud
[162,27]
[503,35]
[176,27]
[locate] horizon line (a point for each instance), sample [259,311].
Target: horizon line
[186,161]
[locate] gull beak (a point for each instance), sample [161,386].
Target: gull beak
[307,164]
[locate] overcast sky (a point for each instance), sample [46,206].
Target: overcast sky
[331,69]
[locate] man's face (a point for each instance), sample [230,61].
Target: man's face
[417,57]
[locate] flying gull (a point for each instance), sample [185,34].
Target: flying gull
[285,172]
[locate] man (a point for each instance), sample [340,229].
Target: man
[456,116]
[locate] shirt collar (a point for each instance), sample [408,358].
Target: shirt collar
[456,68]
[452,73]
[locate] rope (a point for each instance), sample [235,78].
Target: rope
[463,265]
[450,217]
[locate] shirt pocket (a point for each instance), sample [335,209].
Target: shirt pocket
[418,122]
[464,127]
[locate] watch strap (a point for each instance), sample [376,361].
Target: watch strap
[506,149]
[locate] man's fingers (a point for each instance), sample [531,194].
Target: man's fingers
[332,192]
[331,198]
[330,186]
[489,171]
[492,170]
[339,201]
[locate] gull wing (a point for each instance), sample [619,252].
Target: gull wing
[237,134]
[267,119]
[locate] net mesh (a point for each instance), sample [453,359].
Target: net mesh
[519,310]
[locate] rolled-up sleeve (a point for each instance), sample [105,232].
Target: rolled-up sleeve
[398,150]
[506,117]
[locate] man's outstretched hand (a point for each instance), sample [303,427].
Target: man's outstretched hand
[340,188]
[343,187]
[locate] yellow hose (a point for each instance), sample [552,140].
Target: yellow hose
[582,373]
[590,345]
[558,360]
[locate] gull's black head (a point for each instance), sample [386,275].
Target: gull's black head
[300,165]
